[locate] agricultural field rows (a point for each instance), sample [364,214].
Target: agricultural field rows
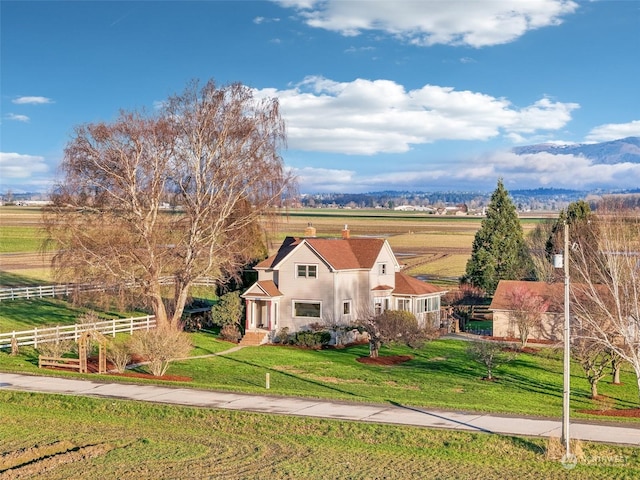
[60,437]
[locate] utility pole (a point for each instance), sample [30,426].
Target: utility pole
[566,394]
[563,261]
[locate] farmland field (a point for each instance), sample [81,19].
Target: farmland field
[59,437]
[429,245]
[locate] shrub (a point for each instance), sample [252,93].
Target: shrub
[229,309]
[282,336]
[57,348]
[311,339]
[160,346]
[118,353]
[230,332]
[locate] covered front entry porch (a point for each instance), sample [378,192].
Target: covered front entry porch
[261,314]
[262,302]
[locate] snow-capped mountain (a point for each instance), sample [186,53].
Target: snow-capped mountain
[624,150]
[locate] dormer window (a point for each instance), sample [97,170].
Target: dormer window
[382,268]
[307,271]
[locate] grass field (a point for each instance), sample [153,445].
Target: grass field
[60,437]
[440,375]
[89,438]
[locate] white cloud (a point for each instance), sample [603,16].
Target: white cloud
[366,117]
[31,100]
[545,169]
[613,131]
[519,171]
[324,179]
[16,165]
[430,22]
[16,117]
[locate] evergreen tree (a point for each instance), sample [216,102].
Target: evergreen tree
[499,250]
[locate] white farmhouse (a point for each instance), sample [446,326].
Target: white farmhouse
[316,280]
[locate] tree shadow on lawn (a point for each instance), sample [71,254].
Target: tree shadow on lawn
[10,279]
[290,375]
[461,367]
[521,442]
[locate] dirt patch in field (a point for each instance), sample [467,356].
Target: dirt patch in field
[24,261]
[39,460]
[385,361]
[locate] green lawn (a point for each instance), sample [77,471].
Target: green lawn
[440,375]
[26,314]
[60,437]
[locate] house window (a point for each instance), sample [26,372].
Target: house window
[307,309]
[380,305]
[308,271]
[404,304]
[346,308]
[382,268]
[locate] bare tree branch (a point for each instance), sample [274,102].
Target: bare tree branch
[211,153]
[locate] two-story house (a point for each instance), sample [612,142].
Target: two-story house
[321,280]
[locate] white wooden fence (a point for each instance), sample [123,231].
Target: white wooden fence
[73,332]
[41,291]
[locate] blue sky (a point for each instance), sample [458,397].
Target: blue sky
[405,95]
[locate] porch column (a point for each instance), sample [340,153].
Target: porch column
[247,313]
[269,314]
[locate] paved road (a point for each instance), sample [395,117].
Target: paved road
[390,414]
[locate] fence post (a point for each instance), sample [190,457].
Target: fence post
[148,322]
[113,321]
[75,332]
[35,337]
[131,326]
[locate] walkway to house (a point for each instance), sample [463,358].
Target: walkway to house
[330,409]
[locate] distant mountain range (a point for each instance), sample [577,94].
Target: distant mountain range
[608,153]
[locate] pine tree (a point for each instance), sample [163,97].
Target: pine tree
[499,250]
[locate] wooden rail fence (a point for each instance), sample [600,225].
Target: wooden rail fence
[41,291]
[73,332]
[70,363]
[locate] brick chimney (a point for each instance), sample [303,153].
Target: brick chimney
[310,231]
[345,232]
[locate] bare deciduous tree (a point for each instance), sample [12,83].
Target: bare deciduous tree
[527,310]
[490,354]
[607,295]
[537,241]
[594,358]
[210,153]
[393,326]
